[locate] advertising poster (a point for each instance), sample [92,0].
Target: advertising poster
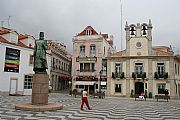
[12,59]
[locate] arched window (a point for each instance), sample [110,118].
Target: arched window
[144,29]
[132,30]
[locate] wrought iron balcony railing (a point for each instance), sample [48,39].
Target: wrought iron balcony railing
[118,75]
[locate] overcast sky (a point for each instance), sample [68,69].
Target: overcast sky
[62,19]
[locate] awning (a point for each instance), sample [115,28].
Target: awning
[85,82]
[103,83]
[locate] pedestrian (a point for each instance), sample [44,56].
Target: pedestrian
[142,96]
[166,92]
[85,99]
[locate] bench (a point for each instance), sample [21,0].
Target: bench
[137,96]
[167,97]
[100,95]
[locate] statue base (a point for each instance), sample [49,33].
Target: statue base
[40,90]
[39,108]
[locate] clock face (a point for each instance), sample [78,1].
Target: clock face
[138,45]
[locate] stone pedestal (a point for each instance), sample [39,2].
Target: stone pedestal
[40,89]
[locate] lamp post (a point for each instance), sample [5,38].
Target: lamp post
[100,74]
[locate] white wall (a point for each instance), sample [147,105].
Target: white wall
[24,69]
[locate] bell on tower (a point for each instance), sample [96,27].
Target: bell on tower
[132,30]
[144,29]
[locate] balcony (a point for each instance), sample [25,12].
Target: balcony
[85,58]
[139,75]
[87,73]
[161,76]
[118,75]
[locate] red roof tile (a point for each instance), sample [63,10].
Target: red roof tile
[21,36]
[119,54]
[162,51]
[105,36]
[178,56]
[3,40]
[84,31]
[18,44]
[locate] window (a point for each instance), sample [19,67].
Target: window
[59,65]
[28,82]
[89,32]
[161,88]
[92,50]
[104,50]
[81,86]
[87,67]
[81,67]
[160,69]
[175,69]
[139,69]
[53,63]
[82,50]
[62,66]
[118,69]
[93,67]
[118,88]
[31,59]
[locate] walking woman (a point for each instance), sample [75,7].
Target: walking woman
[84,99]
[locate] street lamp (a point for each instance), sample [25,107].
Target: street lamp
[100,74]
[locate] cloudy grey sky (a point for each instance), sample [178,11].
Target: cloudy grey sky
[62,19]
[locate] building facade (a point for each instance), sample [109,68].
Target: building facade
[16,62]
[142,67]
[60,70]
[88,61]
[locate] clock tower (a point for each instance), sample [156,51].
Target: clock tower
[139,39]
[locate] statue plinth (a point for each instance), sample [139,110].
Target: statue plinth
[40,89]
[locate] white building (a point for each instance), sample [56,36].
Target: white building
[16,62]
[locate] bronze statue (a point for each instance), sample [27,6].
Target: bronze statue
[40,62]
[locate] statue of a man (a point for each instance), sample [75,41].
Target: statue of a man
[40,62]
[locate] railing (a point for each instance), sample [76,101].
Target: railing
[118,75]
[139,75]
[161,76]
[87,73]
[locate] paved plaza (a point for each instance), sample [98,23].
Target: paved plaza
[110,108]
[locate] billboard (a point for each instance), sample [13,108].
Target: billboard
[12,60]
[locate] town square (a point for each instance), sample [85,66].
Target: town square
[89,60]
[110,108]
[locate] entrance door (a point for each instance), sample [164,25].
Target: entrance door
[13,86]
[91,89]
[139,87]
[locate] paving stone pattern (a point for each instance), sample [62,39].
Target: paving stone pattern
[110,108]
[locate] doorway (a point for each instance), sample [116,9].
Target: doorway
[13,87]
[139,87]
[91,89]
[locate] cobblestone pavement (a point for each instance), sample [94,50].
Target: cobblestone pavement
[110,108]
